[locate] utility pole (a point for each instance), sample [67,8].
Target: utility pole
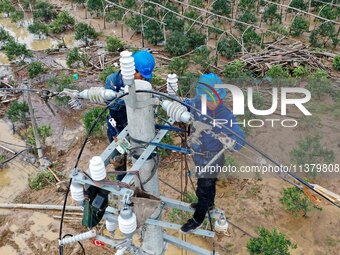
[141,126]
[35,128]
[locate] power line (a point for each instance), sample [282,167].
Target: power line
[199,22]
[308,13]
[135,12]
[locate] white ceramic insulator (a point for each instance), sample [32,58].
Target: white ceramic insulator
[176,111]
[110,225]
[221,225]
[172,84]
[127,226]
[98,94]
[76,238]
[121,251]
[77,192]
[127,65]
[97,168]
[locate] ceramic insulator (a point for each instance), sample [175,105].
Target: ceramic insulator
[110,225]
[172,84]
[76,238]
[176,111]
[97,168]
[127,66]
[77,192]
[127,225]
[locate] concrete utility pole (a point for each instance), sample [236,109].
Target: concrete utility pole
[141,126]
[35,129]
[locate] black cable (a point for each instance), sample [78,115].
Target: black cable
[81,245]
[212,229]
[14,156]
[77,162]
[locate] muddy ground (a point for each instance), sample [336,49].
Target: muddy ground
[247,203]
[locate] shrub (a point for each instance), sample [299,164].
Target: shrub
[228,47]
[18,112]
[73,57]
[300,71]
[38,28]
[310,151]
[44,12]
[234,69]
[63,21]
[269,243]
[177,43]
[277,71]
[35,68]
[319,84]
[59,83]
[294,200]
[89,118]
[85,33]
[106,72]
[43,131]
[178,66]
[299,26]
[113,44]
[14,50]
[41,180]
[336,62]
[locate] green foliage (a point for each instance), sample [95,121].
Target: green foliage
[41,180]
[298,4]
[18,112]
[221,7]
[270,14]
[197,3]
[35,68]
[177,43]
[113,44]
[157,80]
[196,39]
[328,12]
[320,36]
[246,17]
[43,131]
[269,243]
[90,117]
[17,16]
[294,200]
[95,6]
[336,62]
[153,33]
[14,50]
[251,39]
[38,28]
[5,37]
[178,66]
[299,26]
[59,83]
[310,151]
[6,6]
[173,23]
[231,161]
[130,4]
[185,82]
[202,57]
[278,72]
[85,32]
[247,5]
[75,58]
[167,139]
[44,12]
[134,23]
[228,47]
[279,29]
[63,22]
[318,84]
[114,15]
[234,69]
[300,71]
[106,72]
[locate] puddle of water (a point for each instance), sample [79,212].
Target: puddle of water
[42,226]
[3,59]
[13,178]
[23,36]
[8,250]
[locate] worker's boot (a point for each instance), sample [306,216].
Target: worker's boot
[190,226]
[194,206]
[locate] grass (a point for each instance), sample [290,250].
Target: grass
[41,180]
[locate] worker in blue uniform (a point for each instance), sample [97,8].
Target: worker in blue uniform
[117,119]
[209,145]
